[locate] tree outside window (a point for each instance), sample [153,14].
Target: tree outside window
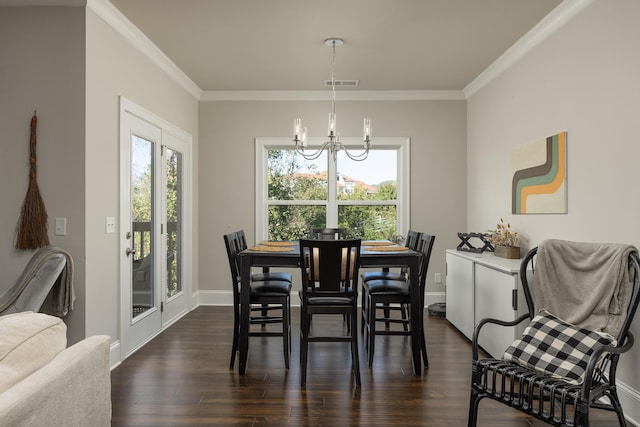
[362,200]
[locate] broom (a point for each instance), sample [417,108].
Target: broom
[31,231]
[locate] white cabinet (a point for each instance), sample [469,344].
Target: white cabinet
[459,296]
[480,286]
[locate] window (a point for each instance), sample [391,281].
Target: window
[369,198]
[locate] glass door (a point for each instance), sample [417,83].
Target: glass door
[155,199]
[141,302]
[173,202]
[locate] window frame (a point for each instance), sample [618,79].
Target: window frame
[402,202]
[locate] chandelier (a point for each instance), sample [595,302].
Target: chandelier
[333,144]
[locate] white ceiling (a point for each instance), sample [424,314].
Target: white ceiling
[277,45]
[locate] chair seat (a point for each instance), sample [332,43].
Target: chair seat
[382,275]
[329,301]
[271,287]
[272,275]
[387,286]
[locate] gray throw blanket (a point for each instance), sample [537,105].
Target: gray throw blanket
[586,284]
[63,294]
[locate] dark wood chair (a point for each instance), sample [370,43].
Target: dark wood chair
[411,242]
[328,233]
[579,368]
[266,296]
[266,274]
[380,294]
[329,287]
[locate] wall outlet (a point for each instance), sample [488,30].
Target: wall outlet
[438,278]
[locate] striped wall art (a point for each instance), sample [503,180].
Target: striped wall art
[539,177]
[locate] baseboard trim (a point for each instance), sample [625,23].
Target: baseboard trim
[630,399]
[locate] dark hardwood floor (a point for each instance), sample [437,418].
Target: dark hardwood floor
[182,378]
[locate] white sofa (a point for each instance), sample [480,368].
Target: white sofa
[44,383]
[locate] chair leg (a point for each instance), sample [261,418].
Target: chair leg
[403,311]
[363,311]
[582,418]
[285,331]
[236,337]
[617,407]
[387,314]
[304,347]
[289,311]
[372,328]
[474,401]
[423,346]
[354,346]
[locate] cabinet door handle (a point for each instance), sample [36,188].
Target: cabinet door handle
[514,299]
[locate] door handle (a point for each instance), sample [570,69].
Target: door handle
[130,251]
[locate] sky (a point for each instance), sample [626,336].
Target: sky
[379,166]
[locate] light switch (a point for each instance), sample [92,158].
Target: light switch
[61,226]
[110,225]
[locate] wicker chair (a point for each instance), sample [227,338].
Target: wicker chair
[561,368]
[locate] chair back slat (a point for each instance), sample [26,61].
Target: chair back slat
[424,245]
[412,239]
[329,266]
[241,240]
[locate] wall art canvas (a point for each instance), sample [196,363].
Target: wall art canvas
[539,176]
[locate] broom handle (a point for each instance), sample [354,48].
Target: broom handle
[32,146]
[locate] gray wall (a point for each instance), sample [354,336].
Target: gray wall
[583,80]
[116,68]
[72,67]
[42,68]
[437,130]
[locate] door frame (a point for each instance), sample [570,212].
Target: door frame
[168,131]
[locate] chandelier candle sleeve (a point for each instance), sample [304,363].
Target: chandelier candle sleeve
[366,137]
[332,124]
[297,129]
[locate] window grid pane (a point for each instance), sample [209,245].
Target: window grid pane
[366,194]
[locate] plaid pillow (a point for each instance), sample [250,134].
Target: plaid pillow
[555,347]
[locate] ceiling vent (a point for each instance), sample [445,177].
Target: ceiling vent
[340,83]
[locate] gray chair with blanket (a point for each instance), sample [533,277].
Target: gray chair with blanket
[582,298]
[50,269]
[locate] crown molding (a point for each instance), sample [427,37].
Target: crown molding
[112,16]
[342,95]
[551,23]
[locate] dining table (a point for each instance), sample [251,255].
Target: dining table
[373,254]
